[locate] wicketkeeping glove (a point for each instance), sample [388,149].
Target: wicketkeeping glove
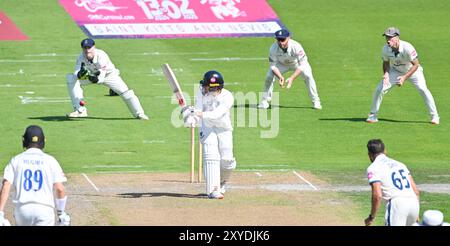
[63,219]
[83,72]
[93,78]
[3,220]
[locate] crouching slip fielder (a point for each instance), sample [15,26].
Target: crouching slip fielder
[213,105]
[37,177]
[288,55]
[401,63]
[94,66]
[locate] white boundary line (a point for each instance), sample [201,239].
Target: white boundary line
[90,182]
[262,170]
[113,166]
[119,152]
[306,181]
[229,59]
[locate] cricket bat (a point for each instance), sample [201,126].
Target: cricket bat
[173,83]
[176,89]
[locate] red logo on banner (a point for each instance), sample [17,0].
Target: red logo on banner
[8,30]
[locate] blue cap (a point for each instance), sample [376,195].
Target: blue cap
[283,33]
[33,135]
[87,42]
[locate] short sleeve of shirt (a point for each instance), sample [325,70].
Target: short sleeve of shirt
[411,52]
[272,56]
[58,174]
[372,175]
[384,54]
[8,174]
[298,50]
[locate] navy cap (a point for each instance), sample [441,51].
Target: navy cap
[34,134]
[283,33]
[87,42]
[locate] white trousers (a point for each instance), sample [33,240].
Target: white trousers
[306,74]
[113,81]
[402,211]
[34,214]
[217,156]
[417,79]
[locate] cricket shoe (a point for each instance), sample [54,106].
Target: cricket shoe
[142,117]
[78,114]
[222,188]
[435,120]
[215,195]
[317,105]
[372,118]
[264,104]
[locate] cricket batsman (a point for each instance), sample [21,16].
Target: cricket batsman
[212,114]
[93,66]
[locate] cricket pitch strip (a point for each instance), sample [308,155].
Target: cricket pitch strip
[169,199]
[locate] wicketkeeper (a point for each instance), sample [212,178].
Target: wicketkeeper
[93,66]
[212,114]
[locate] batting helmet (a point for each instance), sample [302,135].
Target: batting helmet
[33,136]
[212,79]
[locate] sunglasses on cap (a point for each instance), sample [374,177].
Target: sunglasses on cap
[281,39]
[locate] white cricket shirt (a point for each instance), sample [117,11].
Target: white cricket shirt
[393,175]
[101,62]
[33,174]
[401,61]
[216,109]
[294,54]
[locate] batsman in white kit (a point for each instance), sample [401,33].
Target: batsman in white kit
[36,177]
[391,182]
[212,112]
[93,66]
[401,63]
[288,55]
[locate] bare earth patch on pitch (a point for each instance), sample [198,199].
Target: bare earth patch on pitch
[169,199]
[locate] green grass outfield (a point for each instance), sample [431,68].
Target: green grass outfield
[344,50]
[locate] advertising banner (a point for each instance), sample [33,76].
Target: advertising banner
[8,30]
[173,18]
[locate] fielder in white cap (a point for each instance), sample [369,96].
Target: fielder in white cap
[401,63]
[286,55]
[433,218]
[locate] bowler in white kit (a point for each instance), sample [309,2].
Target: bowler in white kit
[37,179]
[401,63]
[288,55]
[391,182]
[94,66]
[212,112]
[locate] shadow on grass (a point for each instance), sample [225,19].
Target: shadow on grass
[161,194]
[379,120]
[65,118]
[247,105]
